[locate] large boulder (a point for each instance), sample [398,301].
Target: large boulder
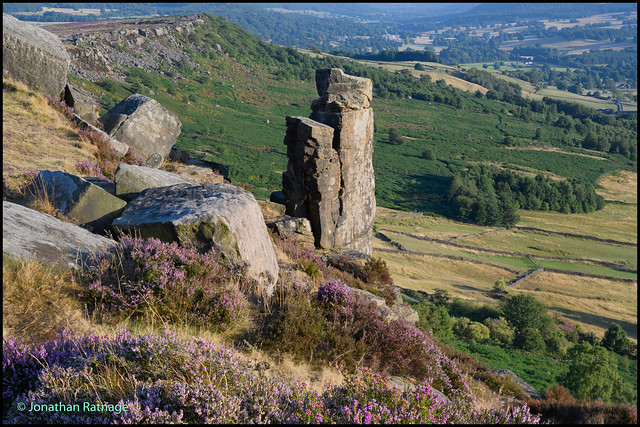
[144,124]
[297,228]
[215,216]
[28,233]
[131,180]
[33,56]
[77,198]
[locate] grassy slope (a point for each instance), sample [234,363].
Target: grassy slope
[236,107]
[29,125]
[593,303]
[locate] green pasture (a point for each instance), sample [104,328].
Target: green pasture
[539,372]
[543,244]
[614,221]
[589,268]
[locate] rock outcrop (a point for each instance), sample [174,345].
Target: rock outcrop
[131,180]
[330,177]
[82,103]
[144,124]
[77,198]
[296,228]
[28,233]
[33,56]
[219,216]
[119,148]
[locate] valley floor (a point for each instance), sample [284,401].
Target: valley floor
[587,263]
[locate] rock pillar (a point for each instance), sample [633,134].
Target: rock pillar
[330,177]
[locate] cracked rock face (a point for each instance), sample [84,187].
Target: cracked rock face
[330,177]
[219,216]
[143,124]
[28,233]
[33,56]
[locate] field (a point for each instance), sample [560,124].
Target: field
[470,272]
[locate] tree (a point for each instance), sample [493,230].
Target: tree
[615,339]
[529,318]
[428,154]
[500,285]
[395,137]
[538,134]
[418,66]
[529,339]
[436,319]
[509,141]
[593,372]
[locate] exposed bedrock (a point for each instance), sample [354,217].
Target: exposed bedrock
[330,177]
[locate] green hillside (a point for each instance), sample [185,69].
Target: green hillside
[233,109]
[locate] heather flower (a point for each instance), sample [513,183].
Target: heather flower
[164,379]
[149,278]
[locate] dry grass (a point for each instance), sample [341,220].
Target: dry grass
[619,222]
[592,303]
[284,366]
[462,279]
[620,186]
[36,137]
[555,150]
[39,300]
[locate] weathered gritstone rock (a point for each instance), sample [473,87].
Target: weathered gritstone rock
[33,56]
[218,216]
[77,198]
[311,183]
[403,384]
[119,148]
[131,180]
[143,124]
[82,103]
[330,176]
[27,233]
[297,228]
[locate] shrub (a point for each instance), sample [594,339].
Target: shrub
[499,330]
[340,327]
[470,330]
[500,286]
[560,407]
[309,267]
[146,379]
[161,281]
[107,160]
[428,154]
[376,272]
[395,137]
[60,106]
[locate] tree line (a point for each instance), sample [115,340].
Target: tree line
[487,195]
